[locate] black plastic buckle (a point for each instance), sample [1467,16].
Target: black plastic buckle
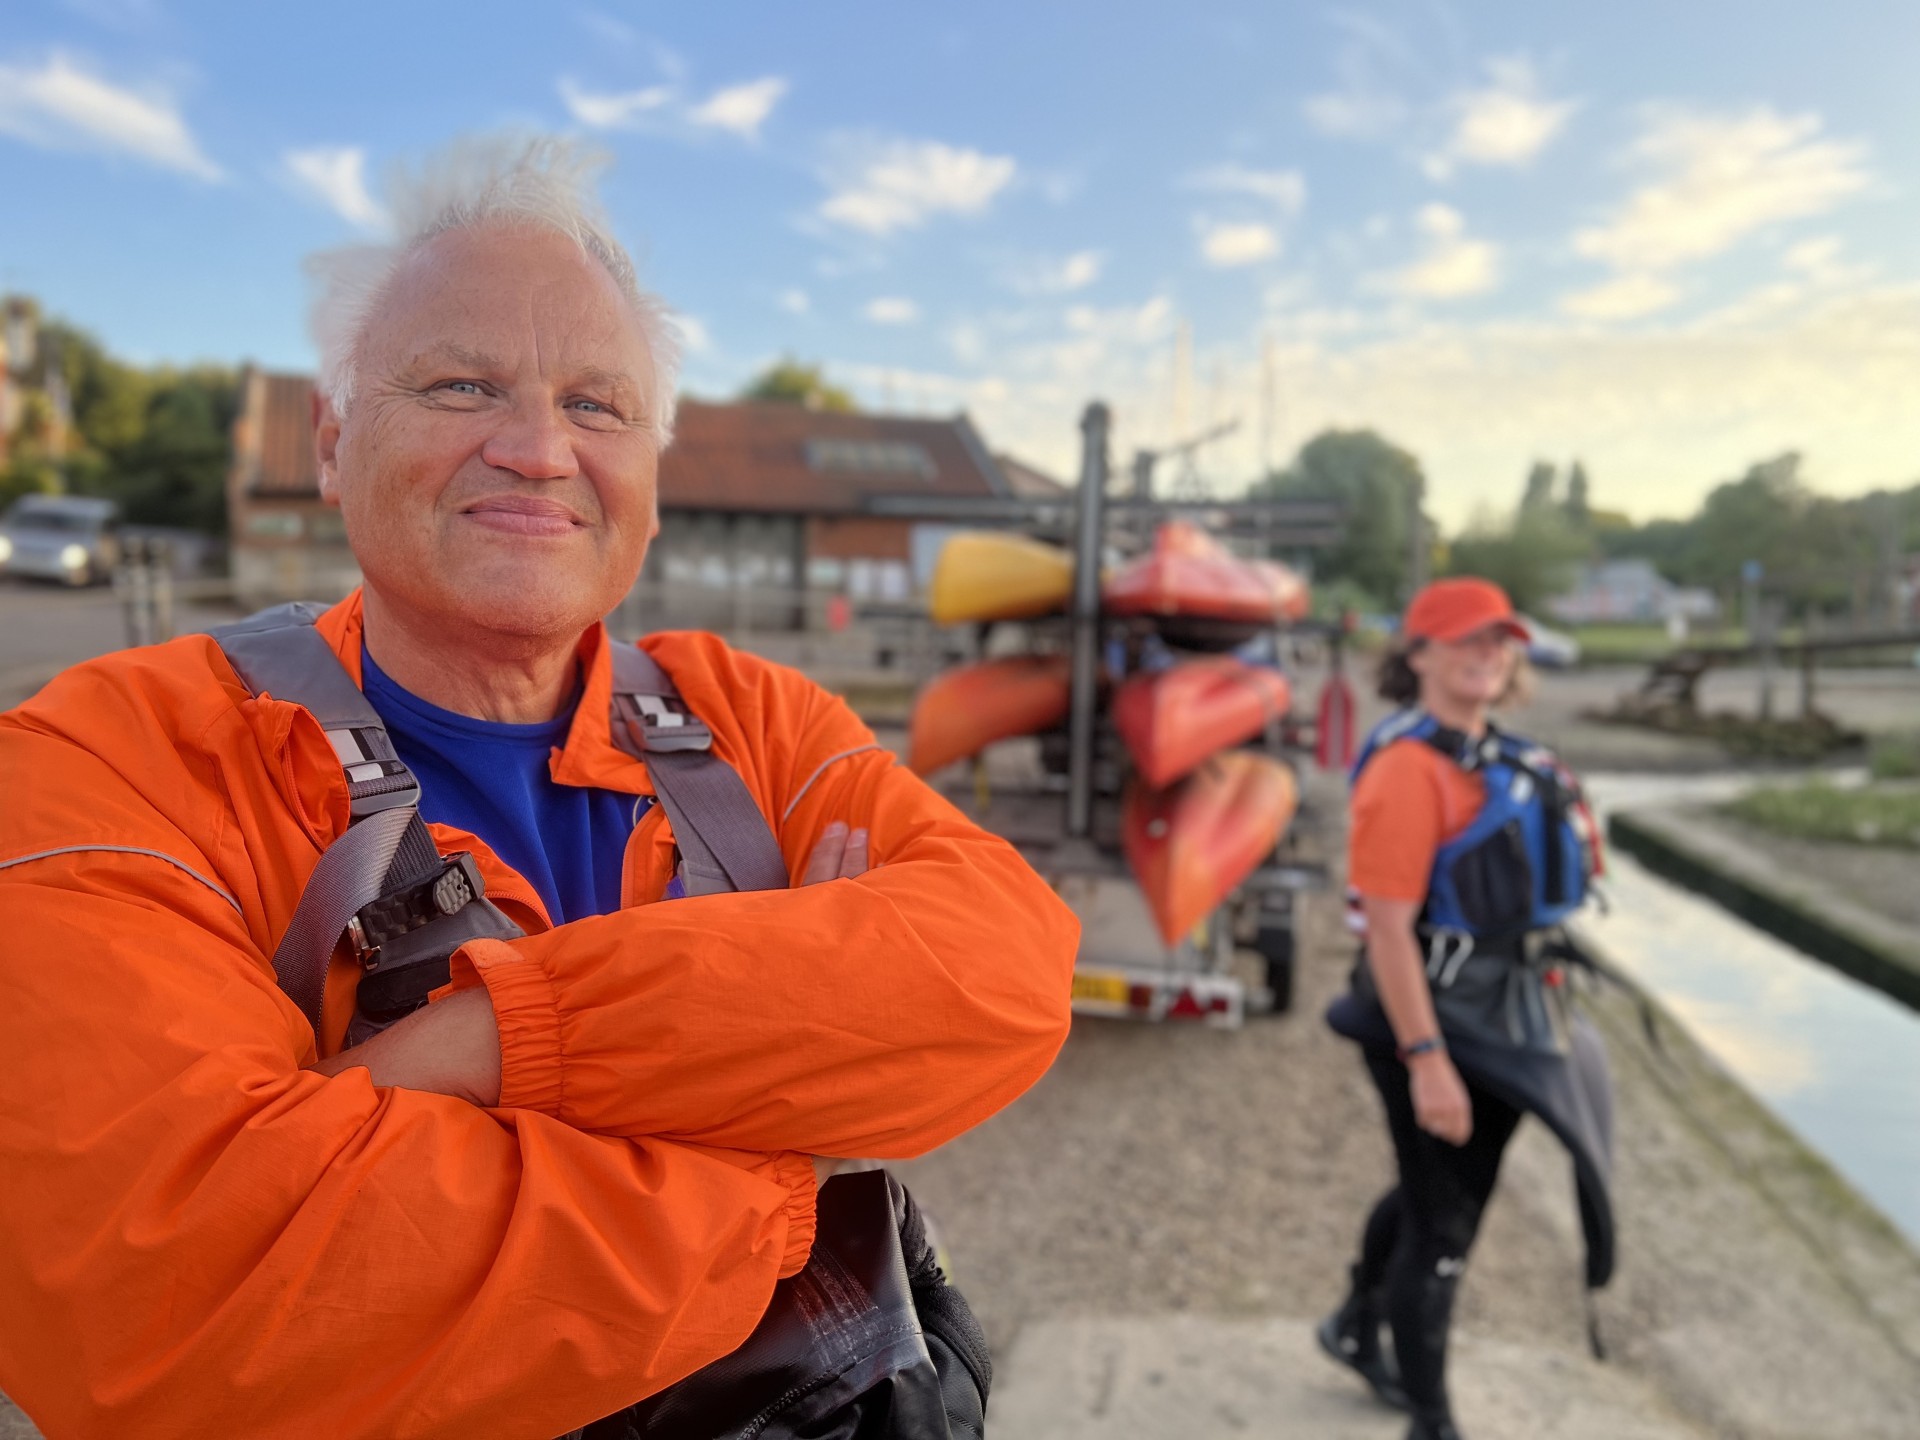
[405,942]
[380,922]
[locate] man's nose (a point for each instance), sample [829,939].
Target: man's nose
[534,441]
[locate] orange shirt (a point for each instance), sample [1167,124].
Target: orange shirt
[1409,802]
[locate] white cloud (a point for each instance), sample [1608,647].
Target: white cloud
[1454,266]
[1626,297]
[795,302]
[616,111]
[1054,275]
[883,186]
[891,310]
[1718,178]
[1372,66]
[337,176]
[741,108]
[60,105]
[1506,122]
[693,334]
[1228,245]
[1285,190]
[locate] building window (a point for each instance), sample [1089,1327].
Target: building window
[870,457]
[274,525]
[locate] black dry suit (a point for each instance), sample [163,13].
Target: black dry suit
[1496,956]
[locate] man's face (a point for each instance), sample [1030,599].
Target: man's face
[496,468]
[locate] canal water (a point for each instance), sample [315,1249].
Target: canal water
[1838,1062]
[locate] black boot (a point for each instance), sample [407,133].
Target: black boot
[1351,1335]
[1433,1425]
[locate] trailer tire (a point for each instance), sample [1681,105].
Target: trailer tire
[1276,948]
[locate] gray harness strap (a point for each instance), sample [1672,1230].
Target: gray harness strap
[386,846]
[725,842]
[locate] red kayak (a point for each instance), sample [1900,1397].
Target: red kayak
[963,711]
[1190,574]
[1190,845]
[1175,719]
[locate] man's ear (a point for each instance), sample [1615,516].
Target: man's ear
[326,447]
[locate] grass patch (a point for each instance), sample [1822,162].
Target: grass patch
[1871,815]
[1895,757]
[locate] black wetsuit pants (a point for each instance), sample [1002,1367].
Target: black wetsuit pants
[1418,1236]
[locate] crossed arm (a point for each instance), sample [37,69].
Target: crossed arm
[452,1048]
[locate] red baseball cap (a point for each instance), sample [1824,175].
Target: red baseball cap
[1454,609]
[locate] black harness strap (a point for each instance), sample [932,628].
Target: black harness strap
[725,842]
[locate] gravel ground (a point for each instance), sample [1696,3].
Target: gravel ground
[1160,1171]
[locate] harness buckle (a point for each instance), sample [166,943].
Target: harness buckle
[380,922]
[1447,951]
[655,723]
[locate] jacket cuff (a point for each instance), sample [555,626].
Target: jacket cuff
[795,1172]
[527,1011]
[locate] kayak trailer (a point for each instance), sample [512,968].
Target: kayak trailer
[1067,818]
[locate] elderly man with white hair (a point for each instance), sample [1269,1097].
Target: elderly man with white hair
[426,1017]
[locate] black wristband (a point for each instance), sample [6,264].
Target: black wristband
[1420,1047]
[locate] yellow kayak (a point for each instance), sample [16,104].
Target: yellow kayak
[993,575]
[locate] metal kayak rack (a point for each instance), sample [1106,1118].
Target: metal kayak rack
[1067,822]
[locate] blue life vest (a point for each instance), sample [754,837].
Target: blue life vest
[1525,861]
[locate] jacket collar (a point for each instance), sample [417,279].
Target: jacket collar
[589,757]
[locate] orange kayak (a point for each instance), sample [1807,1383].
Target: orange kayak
[1190,845]
[1175,719]
[1190,574]
[961,712]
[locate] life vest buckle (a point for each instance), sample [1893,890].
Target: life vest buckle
[1447,951]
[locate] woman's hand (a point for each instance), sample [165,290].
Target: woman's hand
[1441,1106]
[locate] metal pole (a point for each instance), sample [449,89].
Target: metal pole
[1086,619]
[1143,493]
[1769,618]
[162,553]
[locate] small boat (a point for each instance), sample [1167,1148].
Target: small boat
[1174,719]
[962,711]
[1190,845]
[992,575]
[1190,575]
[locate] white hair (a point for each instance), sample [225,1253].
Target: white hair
[542,180]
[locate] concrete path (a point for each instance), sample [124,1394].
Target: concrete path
[1199,1377]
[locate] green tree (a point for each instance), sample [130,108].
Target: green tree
[790,382]
[1380,486]
[1578,502]
[1533,559]
[1541,479]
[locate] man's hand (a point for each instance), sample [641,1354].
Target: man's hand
[451,1047]
[1441,1105]
[840,854]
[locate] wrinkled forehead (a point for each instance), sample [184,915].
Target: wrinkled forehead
[521,295]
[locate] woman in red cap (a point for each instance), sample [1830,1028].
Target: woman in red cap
[1467,848]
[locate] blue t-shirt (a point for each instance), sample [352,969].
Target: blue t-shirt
[492,779]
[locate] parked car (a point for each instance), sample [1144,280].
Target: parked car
[1550,649]
[70,538]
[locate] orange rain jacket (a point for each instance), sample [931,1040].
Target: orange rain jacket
[200,1237]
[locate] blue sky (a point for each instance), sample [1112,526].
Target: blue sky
[1667,239]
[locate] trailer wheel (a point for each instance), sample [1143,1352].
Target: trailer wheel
[1275,944]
